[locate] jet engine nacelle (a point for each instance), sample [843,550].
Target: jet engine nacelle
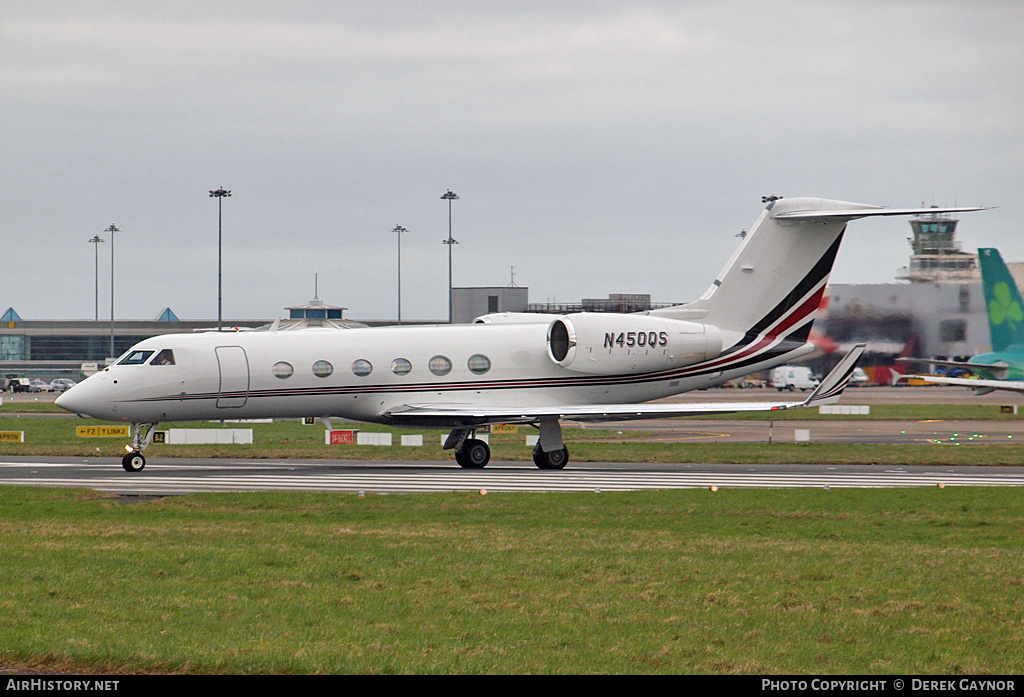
[611,344]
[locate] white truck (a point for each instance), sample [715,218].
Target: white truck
[793,377]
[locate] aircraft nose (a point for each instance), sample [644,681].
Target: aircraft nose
[76,400]
[67,400]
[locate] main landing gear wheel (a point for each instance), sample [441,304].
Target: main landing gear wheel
[554,460]
[133,462]
[474,454]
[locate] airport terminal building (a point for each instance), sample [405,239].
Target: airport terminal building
[70,348]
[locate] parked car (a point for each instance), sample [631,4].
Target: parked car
[38,385]
[62,384]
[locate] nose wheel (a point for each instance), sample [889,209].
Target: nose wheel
[133,462]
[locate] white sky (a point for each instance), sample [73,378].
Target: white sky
[597,147]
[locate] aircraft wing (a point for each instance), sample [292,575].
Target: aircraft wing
[978,385]
[827,392]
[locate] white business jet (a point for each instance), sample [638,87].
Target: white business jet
[512,368]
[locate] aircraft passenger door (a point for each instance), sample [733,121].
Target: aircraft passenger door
[234,377]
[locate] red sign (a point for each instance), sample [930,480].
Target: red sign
[346,437]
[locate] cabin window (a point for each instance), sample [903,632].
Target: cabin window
[362,367]
[440,365]
[479,364]
[283,370]
[165,357]
[322,369]
[135,358]
[401,366]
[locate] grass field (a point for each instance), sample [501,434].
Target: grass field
[905,581]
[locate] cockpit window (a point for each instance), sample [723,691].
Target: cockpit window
[135,358]
[165,357]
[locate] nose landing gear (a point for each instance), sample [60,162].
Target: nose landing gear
[135,461]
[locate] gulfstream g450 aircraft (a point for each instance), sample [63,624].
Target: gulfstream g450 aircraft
[505,368]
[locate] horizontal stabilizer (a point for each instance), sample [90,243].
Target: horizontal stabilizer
[867,212]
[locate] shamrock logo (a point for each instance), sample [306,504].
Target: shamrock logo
[1002,308]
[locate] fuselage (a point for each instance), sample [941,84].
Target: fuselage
[360,374]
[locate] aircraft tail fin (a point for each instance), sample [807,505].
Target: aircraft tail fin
[1003,301]
[770,290]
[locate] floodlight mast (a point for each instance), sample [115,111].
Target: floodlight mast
[451,196]
[95,242]
[220,194]
[112,229]
[399,230]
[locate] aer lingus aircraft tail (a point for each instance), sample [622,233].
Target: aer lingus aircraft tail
[1003,367]
[1003,302]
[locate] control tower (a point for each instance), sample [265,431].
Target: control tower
[936,256]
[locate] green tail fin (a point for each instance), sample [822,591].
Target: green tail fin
[1002,297]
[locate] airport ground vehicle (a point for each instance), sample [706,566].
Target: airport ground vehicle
[793,377]
[18,384]
[61,384]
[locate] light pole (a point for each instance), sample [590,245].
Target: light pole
[112,229]
[399,229]
[219,194]
[95,241]
[451,196]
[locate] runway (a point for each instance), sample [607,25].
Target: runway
[174,477]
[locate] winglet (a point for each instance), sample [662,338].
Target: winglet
[836,381]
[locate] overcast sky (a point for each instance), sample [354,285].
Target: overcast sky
[596,147]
